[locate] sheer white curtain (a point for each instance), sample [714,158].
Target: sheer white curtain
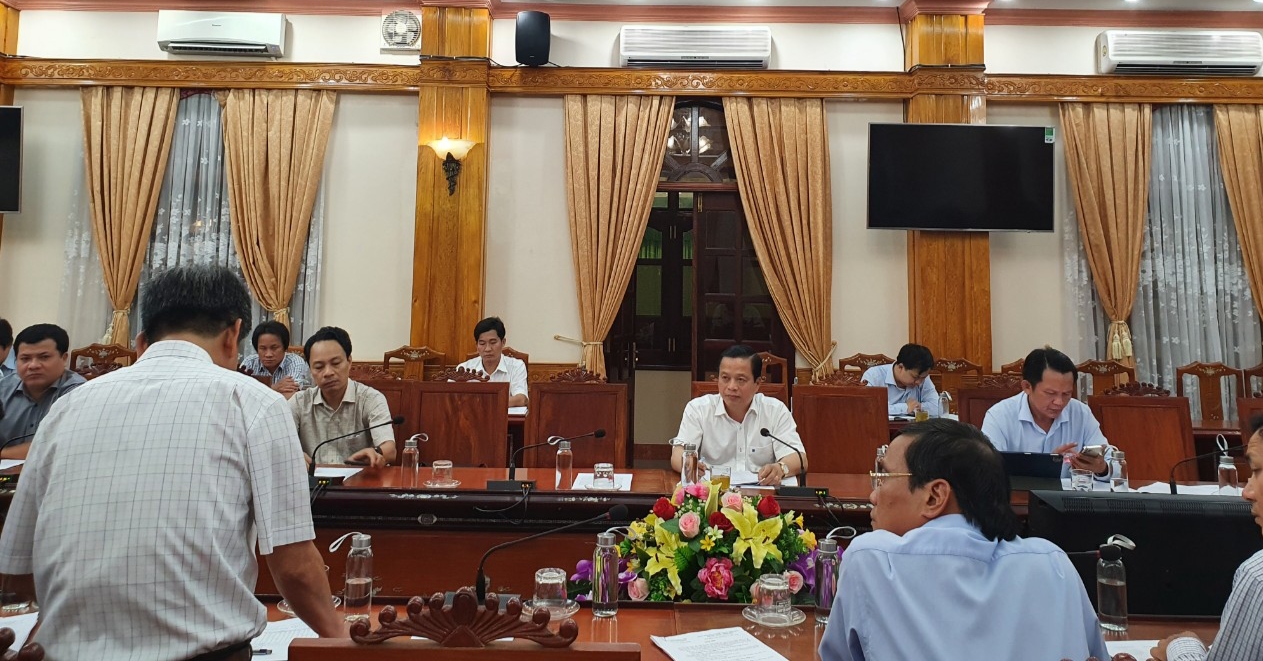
[192,227]
[85,307]
[1089,330]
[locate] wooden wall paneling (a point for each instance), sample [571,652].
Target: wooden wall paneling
[1156,432]
[1247,409]
[973,403]
[467,423]
[402,399]
[570,409]
[841,427]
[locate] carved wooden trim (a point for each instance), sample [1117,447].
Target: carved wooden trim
[362,372]
[1095,18]
[465,623]
[1005,88]
[460,375]
[840,378]
[863,361]
[1007,380]
[577,375]
[1138,389]
[576,80]
[911,8]
[661,13]
[93,370]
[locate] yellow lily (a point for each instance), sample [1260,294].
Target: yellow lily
[809,538]
[757,536]
[663,556]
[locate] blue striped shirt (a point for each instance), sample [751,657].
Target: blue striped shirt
[292,365]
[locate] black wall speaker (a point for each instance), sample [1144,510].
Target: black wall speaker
[532,38]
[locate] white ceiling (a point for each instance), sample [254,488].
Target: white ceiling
[1115,5]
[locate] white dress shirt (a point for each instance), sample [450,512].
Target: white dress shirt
[140,504]
[897,396]
[510,370]
[723,441]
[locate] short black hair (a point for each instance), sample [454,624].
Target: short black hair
[1256,423]
[328,333]
[960,454]
[203,300]
[916,358]
[6,334]
[743,351]
[40,332]
[489,324]
[1047,358]
[271,328]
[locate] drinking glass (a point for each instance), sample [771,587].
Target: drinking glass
[442,472]
[550,588]
[721,477]
[1081,479]
[603,476]
[774,599]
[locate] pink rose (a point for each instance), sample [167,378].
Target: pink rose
[677,498]
[638,589]
[731,501]
[716,576]
[699,490]
[690,524]
[795,581]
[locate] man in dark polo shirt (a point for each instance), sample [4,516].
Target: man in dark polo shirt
[41,379]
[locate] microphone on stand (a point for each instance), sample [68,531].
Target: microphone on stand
[803,489]
[1171,480]
[615,513]
[512,484]
[311,470]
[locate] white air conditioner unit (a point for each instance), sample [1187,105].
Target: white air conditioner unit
[695,46]
[1180,52]
[221,33]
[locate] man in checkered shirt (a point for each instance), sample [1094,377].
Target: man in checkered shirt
[146,490]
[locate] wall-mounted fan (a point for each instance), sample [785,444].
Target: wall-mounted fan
[401,31]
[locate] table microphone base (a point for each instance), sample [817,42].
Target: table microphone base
[802,492]
[519,486]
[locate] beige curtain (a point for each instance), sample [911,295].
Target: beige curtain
[1240,132]
[614,150]
[126,140]
[1107,156]
[781,151]
[274,149]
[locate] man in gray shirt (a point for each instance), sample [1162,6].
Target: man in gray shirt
[41,379]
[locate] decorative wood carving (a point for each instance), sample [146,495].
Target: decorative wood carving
[863,361]
[93,370]
[465,623]
[414,360]
[460,375]
[1138,89]
[577,375]
[98,354]
[1014,367]
[29,651]
[1138,389]
[370,372]
[508,351]
[578,80]
[1005,380]
[840,378]
[1210,378]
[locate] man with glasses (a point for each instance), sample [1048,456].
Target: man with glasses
[907,382]
[944,574]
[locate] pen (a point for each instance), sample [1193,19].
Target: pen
[262,652]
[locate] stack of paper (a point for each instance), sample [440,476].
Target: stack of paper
[277,637]
[733,644]
[1137,648]
[1185,489]
[11,463]
[21,625]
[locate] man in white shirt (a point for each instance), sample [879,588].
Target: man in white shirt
[146,490]
[727,427]
[489,334]
[907,382]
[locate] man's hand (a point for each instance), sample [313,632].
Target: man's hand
[1095,464]
[287,386]
[368,457]
[1159,653]
[1062,449]
[306,461]
[771,474]
[913,405]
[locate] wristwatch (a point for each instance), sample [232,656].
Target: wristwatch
[784,469]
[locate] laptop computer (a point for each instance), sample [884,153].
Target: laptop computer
[1029,471]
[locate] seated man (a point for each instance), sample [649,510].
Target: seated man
[489,334]
[727,427]
[907,382]
[8,362]
[1045,416]
[1241,627]
[41,379]
[271,343]
[944,575]
[338,405]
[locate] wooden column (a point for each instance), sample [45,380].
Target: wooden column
[448,250]
[949,273]
[8,46]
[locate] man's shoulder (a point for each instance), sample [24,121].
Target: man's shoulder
[511,362]
[769,405]
[877,371]
[1252,568]
[1007,407]
[9,384]
[702,403]
[474,363]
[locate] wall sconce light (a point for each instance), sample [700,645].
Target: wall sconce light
[452,152]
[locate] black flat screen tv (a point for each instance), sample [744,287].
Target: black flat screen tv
[960,177]
[10,159]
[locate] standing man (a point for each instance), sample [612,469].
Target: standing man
[8,363]
[272,358]
[146,489]
[41,379]
[727,426]
[907,382]
[339,405]
[489,334]
[1045,417]
[944,575]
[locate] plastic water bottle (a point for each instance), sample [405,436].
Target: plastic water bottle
[410,465]
[827,562]
[1118,472]
[688,465]
[605,576]
[1228,477]
[1111,588]
[945,403]
[357,598]
[881,459]
[565,466]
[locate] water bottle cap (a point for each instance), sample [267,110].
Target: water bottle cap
[410,444]
[564,445]
[1110,552]
[828,546]
[1227,461]
[361,541]
[690,447]
[606,539]
[1119,454]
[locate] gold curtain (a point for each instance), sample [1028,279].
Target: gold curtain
[274,150]
[781,151]
[614,150]
[126,141]
[1241,157]
[1107,156]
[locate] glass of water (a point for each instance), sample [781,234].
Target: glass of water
[1081,479]
[603,476]
[442,472]
[774,599]
[550,588]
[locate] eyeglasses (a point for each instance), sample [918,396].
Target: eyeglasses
[877,478]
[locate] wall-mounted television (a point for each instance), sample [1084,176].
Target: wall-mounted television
[10,159]
[960,177]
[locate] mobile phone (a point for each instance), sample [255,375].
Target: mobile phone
[355,462]
[1092,450]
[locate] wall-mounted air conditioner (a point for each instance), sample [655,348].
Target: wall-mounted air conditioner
[1180,52]
[221,33]
[695,46]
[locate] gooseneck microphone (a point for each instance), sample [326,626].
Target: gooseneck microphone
[311,470]
[1171,478]
[513,484]
[615,513]
[802,465]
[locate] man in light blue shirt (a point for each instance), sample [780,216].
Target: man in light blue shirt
[944,574]
[907,382]
[1045,416]
[8,362]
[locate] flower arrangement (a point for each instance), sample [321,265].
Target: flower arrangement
[704,546]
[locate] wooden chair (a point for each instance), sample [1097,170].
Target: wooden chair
[1247,409]
[577,375]
[1155,431]
[400,399]
[948,374]
[1105,374]
[775,372]
[364,373]
[414,360]
[92,371]
[460,375]
[1210,377]
[1138,389]
[1014,367]
[468,423]
[297,351]
[840,378]
[1250,374]
[841,427]
[98,354]
[863,361]
[773,390]
[570,409]
[978,394]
